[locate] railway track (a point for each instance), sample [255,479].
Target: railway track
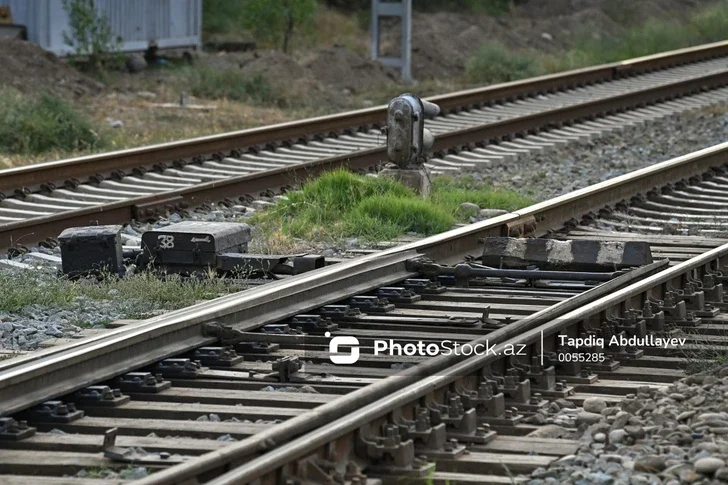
[478,129]
[297,418]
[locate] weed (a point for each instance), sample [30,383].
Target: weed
[211,83]
[493,62]
[341,204]
[388,216]
[38,124]
[139,293]
[449,193]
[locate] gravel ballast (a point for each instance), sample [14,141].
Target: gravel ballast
[671,435]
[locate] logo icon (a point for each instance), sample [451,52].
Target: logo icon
[343,358]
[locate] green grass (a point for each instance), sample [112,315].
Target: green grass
[449,193]
[493,62]
[342,204]
[36,124]
[231,84]
[140,293]
[222,16]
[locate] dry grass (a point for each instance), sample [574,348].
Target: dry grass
[146,124]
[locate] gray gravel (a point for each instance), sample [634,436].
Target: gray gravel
[673,435]
[581,164]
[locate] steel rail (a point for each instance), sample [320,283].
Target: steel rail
[85,166]
[30,380]
[39,228]
[387,390]
[520,333]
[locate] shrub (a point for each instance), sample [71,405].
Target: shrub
[276,20]
[31,125]
[91,33]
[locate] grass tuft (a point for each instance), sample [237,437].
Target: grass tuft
[449,193]
[388,216]
[32,125]
[342,204]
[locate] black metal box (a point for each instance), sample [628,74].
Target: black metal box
[92,249]
[194,244]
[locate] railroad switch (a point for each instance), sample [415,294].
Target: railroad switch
[370,304]
[141,382]
[398,295]
[100,396]
[217,356]
[12,430]
[179,368]
[55,412]
[137,456]
[390,453]
[313,324]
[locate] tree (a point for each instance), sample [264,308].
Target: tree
[91,33]
[276,20]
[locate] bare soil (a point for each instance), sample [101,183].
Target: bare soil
[30,69]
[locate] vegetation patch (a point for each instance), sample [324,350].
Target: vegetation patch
[342,204]
[36,124]
[494,62]
[142,291]
[231,84]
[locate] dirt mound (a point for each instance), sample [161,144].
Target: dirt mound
[341,68]
[27,67]
[443,42]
